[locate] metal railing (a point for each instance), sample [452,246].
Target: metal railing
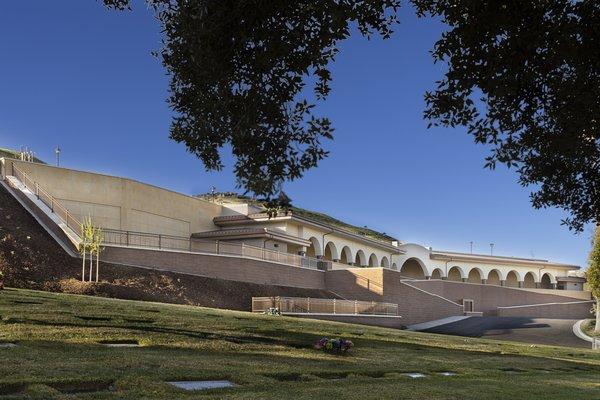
[218,247]
[71,221]
[307,305]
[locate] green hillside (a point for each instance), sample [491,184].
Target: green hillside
[59,354]
[230,197]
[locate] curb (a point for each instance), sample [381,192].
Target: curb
[581,335]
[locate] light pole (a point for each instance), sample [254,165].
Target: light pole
[57,152]
[491,249]
[471,243]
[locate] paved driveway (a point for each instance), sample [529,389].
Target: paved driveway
[556,332]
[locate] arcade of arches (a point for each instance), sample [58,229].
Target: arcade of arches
[344,255]
[414,269]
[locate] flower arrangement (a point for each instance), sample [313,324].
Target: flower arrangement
[272,311]
[334,345]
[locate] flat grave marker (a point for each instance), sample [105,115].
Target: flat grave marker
[201,385]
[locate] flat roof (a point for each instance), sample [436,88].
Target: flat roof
[264,217]
[451,255]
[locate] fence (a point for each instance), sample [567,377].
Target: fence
[168,242]
[306,305]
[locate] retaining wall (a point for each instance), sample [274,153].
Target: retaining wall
[488,298]
[571,310]
[220,267]
[379,284]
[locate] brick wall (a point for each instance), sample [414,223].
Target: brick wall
[356,283]
[414,304]
[379,284]
[220,267]
[487,297]
[571,310]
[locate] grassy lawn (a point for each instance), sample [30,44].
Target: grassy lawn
[58,352]
[588,327]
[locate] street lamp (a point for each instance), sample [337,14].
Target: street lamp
[57,152]
[491,249]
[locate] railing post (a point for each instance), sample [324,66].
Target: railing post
[37,190]
[217,248]
[159,241]
[308,304]
[127,238]
[67,218]
[190,244]
[355,307]
[334,306]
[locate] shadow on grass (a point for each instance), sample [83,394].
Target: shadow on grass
[202,335]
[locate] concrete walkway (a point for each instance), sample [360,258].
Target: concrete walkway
[432,324]
[554,332]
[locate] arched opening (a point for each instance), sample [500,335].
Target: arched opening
[346,255]
[512,279]
[454,274]
[360,260]
[394,266]
[412,268]
[546,282]
[493,278]
[314,250]
[529,280]
[475,275]
[373,261]
[385,263]
[331,252]
[437,274]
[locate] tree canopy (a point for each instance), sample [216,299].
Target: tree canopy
[593,274]
[239,73]
[522,77]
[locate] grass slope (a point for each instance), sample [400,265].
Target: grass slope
[267,357]
[589,328]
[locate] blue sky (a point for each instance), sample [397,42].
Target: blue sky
[76,75]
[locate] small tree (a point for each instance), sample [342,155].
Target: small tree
[85,247]
[593,275]
[98,238]
[91,244]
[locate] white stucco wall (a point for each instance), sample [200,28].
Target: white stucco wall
[503,267]
[340,246]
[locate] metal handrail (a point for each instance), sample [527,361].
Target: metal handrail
[186,244]
[50,201]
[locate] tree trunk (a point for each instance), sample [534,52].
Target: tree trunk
[91,264]
[97,264]
[83,268]
[597,328]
